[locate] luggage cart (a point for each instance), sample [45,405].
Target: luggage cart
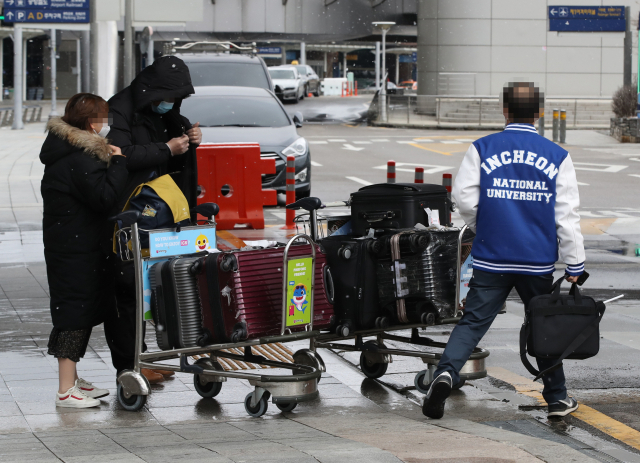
[375,355]
[208,375]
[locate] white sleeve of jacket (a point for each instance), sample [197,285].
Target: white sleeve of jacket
[570,240]
[466,188]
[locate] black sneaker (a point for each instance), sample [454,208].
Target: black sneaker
[563,407]
[433,405]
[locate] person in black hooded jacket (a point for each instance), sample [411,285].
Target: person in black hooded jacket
[83,178]
[156,140]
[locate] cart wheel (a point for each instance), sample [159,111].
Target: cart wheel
[372,370]
[133,403]
[287,407]
[207,389]
[260,408]
[459,385]
[418,382]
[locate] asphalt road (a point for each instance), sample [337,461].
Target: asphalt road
[348,155]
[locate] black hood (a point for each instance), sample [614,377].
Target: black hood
[168,77]
[55,148]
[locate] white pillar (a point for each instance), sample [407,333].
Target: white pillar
[78,65]
[303,53]
[54,71]
[104,54]
[384,61]
[1,67]
[344,64]
[150,51]
[377,61]
[324,65]
[17,77]
[397,69]
[129,73]
[85,61]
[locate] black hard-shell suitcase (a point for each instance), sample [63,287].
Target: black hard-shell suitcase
[175,303]
[353,267]
[424,275]
[397,205]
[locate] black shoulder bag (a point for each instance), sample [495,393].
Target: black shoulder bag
[560,326]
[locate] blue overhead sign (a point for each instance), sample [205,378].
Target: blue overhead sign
[46,4]
[46,16]
[587,18]
[269,50]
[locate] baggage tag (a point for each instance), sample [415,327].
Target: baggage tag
[400,278]
[433,217]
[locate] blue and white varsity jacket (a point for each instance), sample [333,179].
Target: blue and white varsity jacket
[519,192]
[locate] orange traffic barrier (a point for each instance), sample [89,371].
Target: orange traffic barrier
[230,175]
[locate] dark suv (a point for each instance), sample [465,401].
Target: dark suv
[227,69]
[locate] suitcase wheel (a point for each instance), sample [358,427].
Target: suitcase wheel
[287,407]
[229,263]
[133,403]
[383,322]
[428,318]
[342,331]
[260,408]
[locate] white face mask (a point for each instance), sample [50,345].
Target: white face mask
[103,131]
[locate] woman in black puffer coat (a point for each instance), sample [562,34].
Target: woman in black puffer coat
[83,178]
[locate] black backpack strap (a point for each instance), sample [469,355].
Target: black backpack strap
[577,342]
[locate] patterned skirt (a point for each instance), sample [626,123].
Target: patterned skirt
[70,345]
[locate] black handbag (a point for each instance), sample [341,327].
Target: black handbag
[560,326]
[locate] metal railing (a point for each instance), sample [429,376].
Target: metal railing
[30,113]
[482,111]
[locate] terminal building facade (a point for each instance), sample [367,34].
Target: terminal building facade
[457,47]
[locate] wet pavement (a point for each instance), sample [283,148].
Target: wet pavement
[355,418]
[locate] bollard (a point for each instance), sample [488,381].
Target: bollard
[419,175]
[391,172]
[447,183]
[541,124]
[291,191]
[563,126]
[556,125]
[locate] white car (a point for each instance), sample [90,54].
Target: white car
[288,83]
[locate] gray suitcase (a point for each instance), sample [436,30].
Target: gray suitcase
[175,303]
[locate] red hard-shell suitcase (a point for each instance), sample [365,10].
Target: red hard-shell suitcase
[241,293]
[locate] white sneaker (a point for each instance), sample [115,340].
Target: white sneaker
[90,390]
[75,398]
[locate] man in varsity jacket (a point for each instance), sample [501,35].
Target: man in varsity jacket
[519,192]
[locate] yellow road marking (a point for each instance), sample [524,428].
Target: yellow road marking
[584,413]
[429,149]
[596,226]
[230,238]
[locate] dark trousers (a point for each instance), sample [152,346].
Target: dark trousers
[120,322]
[487,294]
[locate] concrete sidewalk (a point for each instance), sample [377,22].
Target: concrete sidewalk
[355,418]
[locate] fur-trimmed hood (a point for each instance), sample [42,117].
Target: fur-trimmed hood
[91,143]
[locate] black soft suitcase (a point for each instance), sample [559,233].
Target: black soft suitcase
[175,303]
[423,274]
[397,205]
[353,267]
